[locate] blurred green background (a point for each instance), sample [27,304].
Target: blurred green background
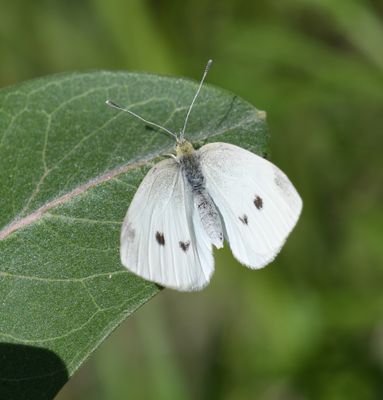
[310,325]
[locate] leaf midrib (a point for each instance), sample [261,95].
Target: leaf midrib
[36,215]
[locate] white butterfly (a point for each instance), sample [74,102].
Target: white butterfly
[196,199]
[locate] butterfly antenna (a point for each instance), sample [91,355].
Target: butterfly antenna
[208,65]
[118,107]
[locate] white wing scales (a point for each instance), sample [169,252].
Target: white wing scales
[162,238]
[258,203]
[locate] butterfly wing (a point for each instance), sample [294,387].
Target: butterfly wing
[258,203]
[162,239]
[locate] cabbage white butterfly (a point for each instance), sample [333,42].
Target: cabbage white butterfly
[197,198]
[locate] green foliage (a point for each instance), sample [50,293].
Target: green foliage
[309,326]
[69,166]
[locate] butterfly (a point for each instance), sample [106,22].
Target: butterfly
[195,200]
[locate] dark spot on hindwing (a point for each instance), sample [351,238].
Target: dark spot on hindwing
[130,232]
[258,202]
[185,246]
[244,219]
[160,238]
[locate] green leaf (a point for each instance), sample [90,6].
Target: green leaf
[69,166]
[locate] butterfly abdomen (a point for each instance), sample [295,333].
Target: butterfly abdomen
[207,210]
[210,218]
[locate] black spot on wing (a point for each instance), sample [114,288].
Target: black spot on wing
[160,238]
[185,246]
[244,219]
[258,202]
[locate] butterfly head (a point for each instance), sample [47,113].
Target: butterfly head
[183,148]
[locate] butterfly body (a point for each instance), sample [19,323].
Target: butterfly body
[191,169]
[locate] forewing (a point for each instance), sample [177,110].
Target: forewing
[161,239]
[258,203]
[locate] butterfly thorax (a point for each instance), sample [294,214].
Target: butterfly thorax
[188,158]
[191,168]
[184,148]
[190,164]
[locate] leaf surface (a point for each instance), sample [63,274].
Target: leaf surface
[69,167]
